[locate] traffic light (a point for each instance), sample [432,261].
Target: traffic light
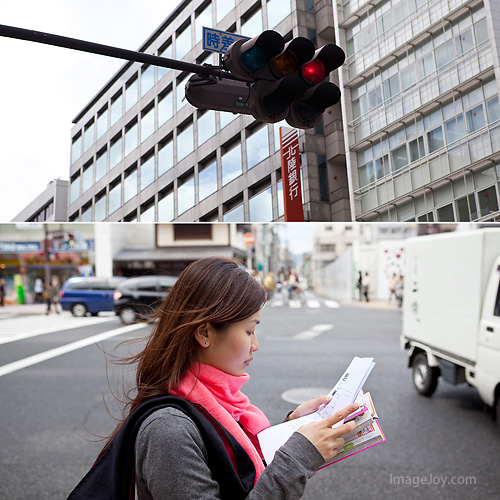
[306,111]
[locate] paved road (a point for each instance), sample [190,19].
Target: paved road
[47,405]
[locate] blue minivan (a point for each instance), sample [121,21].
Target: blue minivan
[88,295]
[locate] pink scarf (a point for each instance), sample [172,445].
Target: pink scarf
[219,393]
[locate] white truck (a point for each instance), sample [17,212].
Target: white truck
[451,311]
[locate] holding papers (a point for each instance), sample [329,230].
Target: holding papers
[346,391]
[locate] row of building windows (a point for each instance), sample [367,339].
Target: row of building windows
[142,82]
[153,166]
[388,26]
[444,127]
[471,197]
[419,62]
[260,206]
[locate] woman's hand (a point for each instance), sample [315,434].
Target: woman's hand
[309,407]
[326,439]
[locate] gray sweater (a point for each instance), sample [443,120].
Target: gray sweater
[171,463]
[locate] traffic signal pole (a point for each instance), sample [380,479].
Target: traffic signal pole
[107,50]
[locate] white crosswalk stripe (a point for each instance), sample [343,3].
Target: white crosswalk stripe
[305,300]
[23,327]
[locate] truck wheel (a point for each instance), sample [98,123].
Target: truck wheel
[425,377]
[79,310]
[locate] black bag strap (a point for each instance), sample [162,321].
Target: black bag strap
[112,476]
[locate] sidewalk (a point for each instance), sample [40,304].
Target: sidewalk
[23,309]
[374,304]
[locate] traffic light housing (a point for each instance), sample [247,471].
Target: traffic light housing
[272,80]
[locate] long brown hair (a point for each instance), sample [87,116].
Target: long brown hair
[213,290]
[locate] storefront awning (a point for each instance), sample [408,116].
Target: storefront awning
[178,253]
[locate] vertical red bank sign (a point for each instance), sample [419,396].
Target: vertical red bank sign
[290,173]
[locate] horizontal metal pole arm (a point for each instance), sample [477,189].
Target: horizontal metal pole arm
[107,50]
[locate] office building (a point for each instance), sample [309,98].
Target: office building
[141,152]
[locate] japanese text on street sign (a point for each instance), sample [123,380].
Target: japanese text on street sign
[290,173]
[219,41]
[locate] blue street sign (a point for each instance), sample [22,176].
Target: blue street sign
[219,41]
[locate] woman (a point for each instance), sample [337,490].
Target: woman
[197,437]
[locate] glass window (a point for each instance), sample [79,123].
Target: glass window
[276,132]
[87,214]
[253,25]
[382,167]
[88,178]
[281,199]
[131,94]
[185,142]
[425,66]
[148,214]
[399,158]
[416,148]
[185,196]
[391,87]
[116,108]
[181,92]
[147,79]
[231,164]
[100,209]
[475,118]
[464,42]
[147,172]
[165,158]
[488,201]
[206,126]
[375,97]
[466,209]
[277,10]
[130,185]
[207,181]
[88,136]
[74,189]
[235,215]
[493,109]
[408,76]
[115,152]
[131,138]
[101,165]
[324,190]
[115,197]
[481,31]
[444,54]
[76,148]
[435,139]
[226,118]
[183,42]
[102,123]
[257,147]
[454,129]
[166,208]
[165,52]
[204,18]
[445,214]
[223,8]
[366,174]
[165,108]
[147,124]
[261,207]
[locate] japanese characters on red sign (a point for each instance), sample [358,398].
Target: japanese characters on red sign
[290,173]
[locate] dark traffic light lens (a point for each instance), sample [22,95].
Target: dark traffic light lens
[254,59]
[313,72]
[284,64]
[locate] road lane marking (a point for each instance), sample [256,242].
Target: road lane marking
[24,328]
[312,332]
[313,303]
[331,303]
[73,346]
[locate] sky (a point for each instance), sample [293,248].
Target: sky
[298,236]
[43,88]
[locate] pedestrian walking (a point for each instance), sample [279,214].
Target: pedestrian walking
[190,432]
[56,288]
[366,287]
[38,289]
[2,292]
[269,284]
[359,285]
[398,290]
[392,287]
